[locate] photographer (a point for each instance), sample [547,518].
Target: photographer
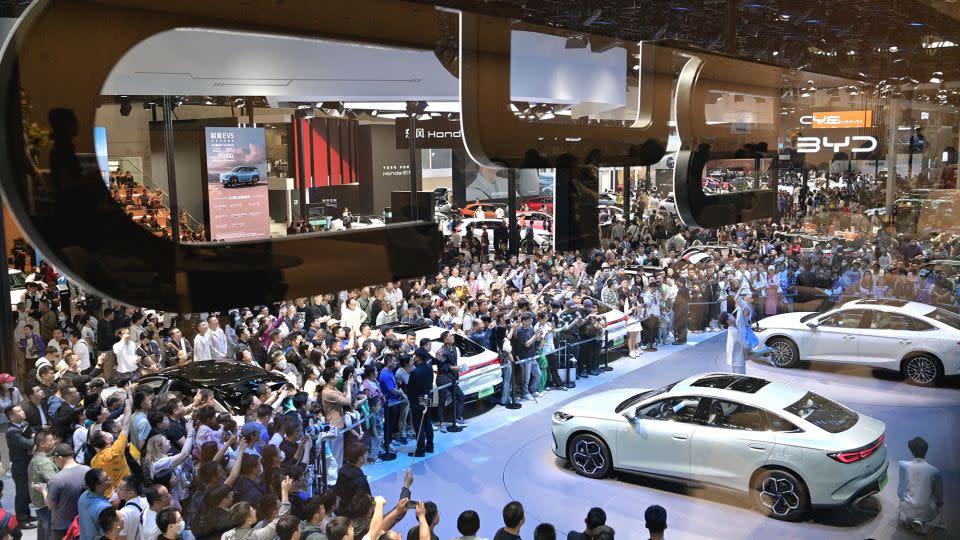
[590,330]
[567,330]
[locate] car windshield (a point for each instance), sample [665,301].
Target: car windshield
[946,317]
[823,413]
[642,396]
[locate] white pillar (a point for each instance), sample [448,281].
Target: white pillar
[892,156]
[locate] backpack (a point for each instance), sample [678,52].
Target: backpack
[311,532]
[73,533]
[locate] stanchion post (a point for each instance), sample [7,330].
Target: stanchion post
[323,465]
[606,351]
[566,365]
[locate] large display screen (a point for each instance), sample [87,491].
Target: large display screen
[237,183]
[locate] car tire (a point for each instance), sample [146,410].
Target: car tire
[233,182]
[780,495]
[255,180]
[785,353]
[922,370]
[589,456]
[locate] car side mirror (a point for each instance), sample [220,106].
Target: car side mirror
[630,415]
[813,325]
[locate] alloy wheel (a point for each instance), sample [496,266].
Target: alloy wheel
[922,370]
[779,495]
[782,353]
[588,457]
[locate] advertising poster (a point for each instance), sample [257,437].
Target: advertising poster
[237,183]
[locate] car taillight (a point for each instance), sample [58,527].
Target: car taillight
[483,365]
[851,456]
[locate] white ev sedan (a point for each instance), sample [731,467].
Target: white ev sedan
[790,449]
[918,340]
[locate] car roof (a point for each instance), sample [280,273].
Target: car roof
[215,373]
[915,309]
[755,391]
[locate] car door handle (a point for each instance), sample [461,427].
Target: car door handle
[905,341]
[848,336]
[680,436]
[758,447]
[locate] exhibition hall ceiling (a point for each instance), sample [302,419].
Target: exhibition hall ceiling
[880,39]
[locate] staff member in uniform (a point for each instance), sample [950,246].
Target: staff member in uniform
[419,390]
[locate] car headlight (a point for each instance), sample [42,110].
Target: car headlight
[561,416]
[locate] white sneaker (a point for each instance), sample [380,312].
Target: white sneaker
[633,354]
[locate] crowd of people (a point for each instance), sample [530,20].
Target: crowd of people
[92,450]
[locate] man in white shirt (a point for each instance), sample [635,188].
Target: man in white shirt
[132,506]
[126,351]
[158,497]
[201,344]
[479,213]
[54,342]
[80,349]
[920,490]
[218,339]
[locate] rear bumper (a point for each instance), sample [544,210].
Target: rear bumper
[855,490]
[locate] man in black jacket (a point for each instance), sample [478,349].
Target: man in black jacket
[681,312]
[419,390]
[33,408]
[20,443]
[448,372]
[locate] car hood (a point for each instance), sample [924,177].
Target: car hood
[785,321]
[601,405]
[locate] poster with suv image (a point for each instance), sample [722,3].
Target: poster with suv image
[237,183]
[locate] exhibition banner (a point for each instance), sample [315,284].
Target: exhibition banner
[237,183]
[838,119]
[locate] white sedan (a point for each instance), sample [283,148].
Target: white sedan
[918,340]
[482,373]
[790,449]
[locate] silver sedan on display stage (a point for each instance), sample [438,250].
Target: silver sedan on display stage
[920,341]
[791,449]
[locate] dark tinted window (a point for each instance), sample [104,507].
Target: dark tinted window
[642,396]
[945,317]
[823,413]
[677,409]
[464,345]
[749,385]
[844,319]
[780,424]
[921,325]
[882,320]
[730,415]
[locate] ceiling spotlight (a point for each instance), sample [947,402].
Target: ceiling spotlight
[576,42]
[936,80]
[851,52]
[805,94]
[374,112]
[415,108]
[332,108]
[776,53]
[893,48]
[125,107]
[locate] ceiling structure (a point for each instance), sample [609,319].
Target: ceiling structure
[867,40]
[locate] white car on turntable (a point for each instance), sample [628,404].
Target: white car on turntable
[920,341]
[789,448]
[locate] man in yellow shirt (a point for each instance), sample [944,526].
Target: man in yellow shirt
[110,453]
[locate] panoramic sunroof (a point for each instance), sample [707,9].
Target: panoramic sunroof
[739,383]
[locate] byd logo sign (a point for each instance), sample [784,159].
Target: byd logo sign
[810,145]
